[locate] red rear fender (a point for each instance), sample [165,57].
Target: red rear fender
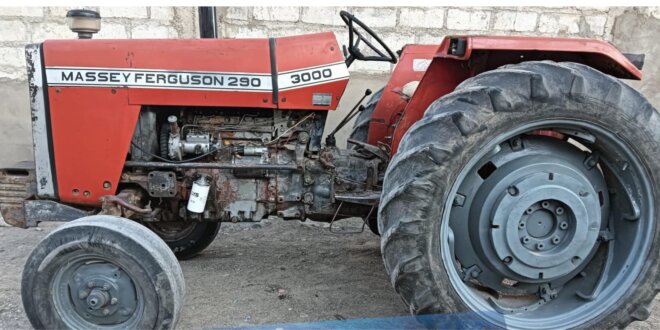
[459,58]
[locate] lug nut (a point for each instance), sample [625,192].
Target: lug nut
[106,287]
[106,311]
[512,190]
[545,204]
[540,246]
[556,240]
[507,260]
[525,239]
[113,301]
[521,225]
[82,294]
[559,210]
[90,284]
[563,225]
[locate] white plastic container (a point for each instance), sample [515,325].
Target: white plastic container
[199,195]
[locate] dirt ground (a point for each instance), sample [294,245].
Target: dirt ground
[235,282]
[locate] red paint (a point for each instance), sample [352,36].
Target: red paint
[90,139]
[303,52]
[211,55]
[92,127]
[386,112]
[486,53]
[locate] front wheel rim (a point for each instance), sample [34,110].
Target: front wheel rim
[91,291]
[538,214]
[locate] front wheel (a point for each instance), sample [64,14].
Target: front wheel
[102,272]
[528,198]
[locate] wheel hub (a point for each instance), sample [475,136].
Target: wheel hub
[102,293]
[547,228]
[534,214]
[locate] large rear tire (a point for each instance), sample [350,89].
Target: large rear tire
[186,239]
[102,272]
[528,198]
[361,125]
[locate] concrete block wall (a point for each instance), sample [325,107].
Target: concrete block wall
[402,25]
[22,25]
[631,29]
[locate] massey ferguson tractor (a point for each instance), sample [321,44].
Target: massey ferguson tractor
[512,180]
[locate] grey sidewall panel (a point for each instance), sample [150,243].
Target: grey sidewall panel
[43,166]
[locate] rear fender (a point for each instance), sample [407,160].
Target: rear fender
[459,58]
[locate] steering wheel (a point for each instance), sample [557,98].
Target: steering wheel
[354,39]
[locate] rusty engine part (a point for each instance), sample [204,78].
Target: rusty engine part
[258,164]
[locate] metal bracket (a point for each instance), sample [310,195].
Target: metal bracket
[44,210]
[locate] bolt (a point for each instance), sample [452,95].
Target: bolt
[512,190]
[529,211]
[508,260]
[525,239]
[624,166]
[106,311]
[583,193]
[540,246]
[559,210]
[90,284]
[82,294]
[563,225]
[521,225]
[474,273]
[459,200]
[107,185]
[105,287]
[113,301]
[545,204]
[556,240]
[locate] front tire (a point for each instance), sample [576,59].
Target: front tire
[102,272]
[519,184]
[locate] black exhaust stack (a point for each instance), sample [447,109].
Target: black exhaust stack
[208,27]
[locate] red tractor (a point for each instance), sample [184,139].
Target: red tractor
[513,179]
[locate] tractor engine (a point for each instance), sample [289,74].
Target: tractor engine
[224,164]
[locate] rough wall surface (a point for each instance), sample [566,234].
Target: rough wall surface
[631,29]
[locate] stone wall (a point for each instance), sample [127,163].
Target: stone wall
[633,30]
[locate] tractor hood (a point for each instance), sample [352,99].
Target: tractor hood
[300,72]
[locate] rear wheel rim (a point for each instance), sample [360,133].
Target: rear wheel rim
[527,236]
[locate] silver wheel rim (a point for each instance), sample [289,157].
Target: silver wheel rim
[90,291]
[567,305]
